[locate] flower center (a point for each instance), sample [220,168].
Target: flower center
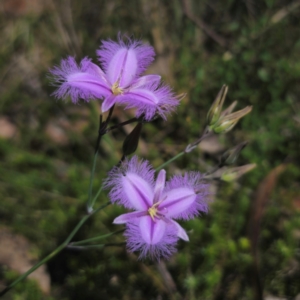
[116,90]
[153,211]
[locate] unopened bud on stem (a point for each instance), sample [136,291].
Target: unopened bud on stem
[232,174]
[215,110]
[226,123]
[229,109]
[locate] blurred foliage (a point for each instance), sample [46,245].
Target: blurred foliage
[46,147]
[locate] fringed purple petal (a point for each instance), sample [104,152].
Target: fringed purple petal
[85,81]
[125,218]
[124,62]
[150,100]
[122,68]
[159,185]
[138,191]
[186,196]
[152,232]
[181,233]
[131,184]
[147,80]
[108,103]
[164,247]
[177,200]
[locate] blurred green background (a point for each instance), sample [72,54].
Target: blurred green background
[248,246]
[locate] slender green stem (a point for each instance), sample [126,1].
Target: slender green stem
[90,202]
[101,132]
[121,124]
[170,160]
[95,238]
[97,246]
[212,171]
[88,247]
[54,252]
[96,197]
[205,135]
[189,148]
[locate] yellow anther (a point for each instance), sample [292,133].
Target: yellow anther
[116,89]
[153,210]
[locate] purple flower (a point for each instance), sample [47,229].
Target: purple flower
[118,81]
[151,229]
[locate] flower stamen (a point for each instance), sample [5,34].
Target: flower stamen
[153,211]
[116,90]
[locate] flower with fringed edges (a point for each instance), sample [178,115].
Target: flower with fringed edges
[118,80]
[151,228]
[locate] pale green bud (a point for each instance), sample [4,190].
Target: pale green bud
[215,110]
[227,122]
[232,174]
[229,109]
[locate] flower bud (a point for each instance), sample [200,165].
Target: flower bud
[232,174]
[132,140]
[229,109]
[215,110]
[230,156]
[227,122]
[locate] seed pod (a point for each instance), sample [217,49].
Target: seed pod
[132,140]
